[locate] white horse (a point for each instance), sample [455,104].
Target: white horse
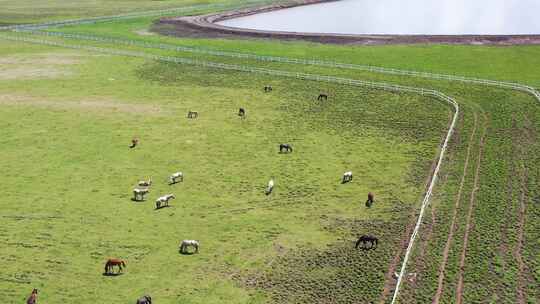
[189,243]
[176,176]
[164,200]
[347,177]
[143,183]
[138,194]
[270,186]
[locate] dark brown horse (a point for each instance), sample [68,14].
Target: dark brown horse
[285,148]
[370,199]
[109,266]
[267,89]
[134,142]
[32,299]
[322,96]
[242,113]
[367,239]
[144,300]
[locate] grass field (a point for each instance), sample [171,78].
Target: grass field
[68,117]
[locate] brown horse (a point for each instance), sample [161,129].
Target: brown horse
[32,299]
[134,142]
[267,89]
[109,266]
[370,198]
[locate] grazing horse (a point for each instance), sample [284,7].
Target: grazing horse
[192,114]
[370,198]
[367,239]
[242,113]
[164,200]
[270,187]
[322,96]
[286,147]
[109,266]
[138,194]
[144,300]
[347,177]
[267,89]
[189,243]
[176,176]
[134,143]
[143,183]
[32,299]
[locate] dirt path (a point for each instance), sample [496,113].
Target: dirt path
[459,289]
[446,250]
[389,277]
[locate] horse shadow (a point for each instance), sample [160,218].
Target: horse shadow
[137,201]
[187,253]
[161,207]
[365,248]
[112,274]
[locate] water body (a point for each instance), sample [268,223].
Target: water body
[402,17]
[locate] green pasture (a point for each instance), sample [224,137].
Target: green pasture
[67,118]
[71,173]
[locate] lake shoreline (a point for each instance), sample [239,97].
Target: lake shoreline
[205,26]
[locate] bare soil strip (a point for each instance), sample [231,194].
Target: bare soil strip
[101,106]
[459,290]
[446,250]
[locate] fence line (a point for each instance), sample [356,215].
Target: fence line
[501,84]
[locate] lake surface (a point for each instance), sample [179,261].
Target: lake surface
[402,17]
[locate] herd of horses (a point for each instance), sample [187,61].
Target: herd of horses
[162,201]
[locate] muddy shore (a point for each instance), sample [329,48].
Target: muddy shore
[204,26]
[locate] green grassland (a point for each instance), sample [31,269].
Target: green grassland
[68,117]
[29,11]
[71,174]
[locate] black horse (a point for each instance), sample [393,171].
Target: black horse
[192,114]
[242,113]
[367,239]
[285,147]
[144,300]
[267,89]
[322,96]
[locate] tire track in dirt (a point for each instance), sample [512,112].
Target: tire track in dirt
[503,247]
[526,140]
[446,250]
[459,289]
